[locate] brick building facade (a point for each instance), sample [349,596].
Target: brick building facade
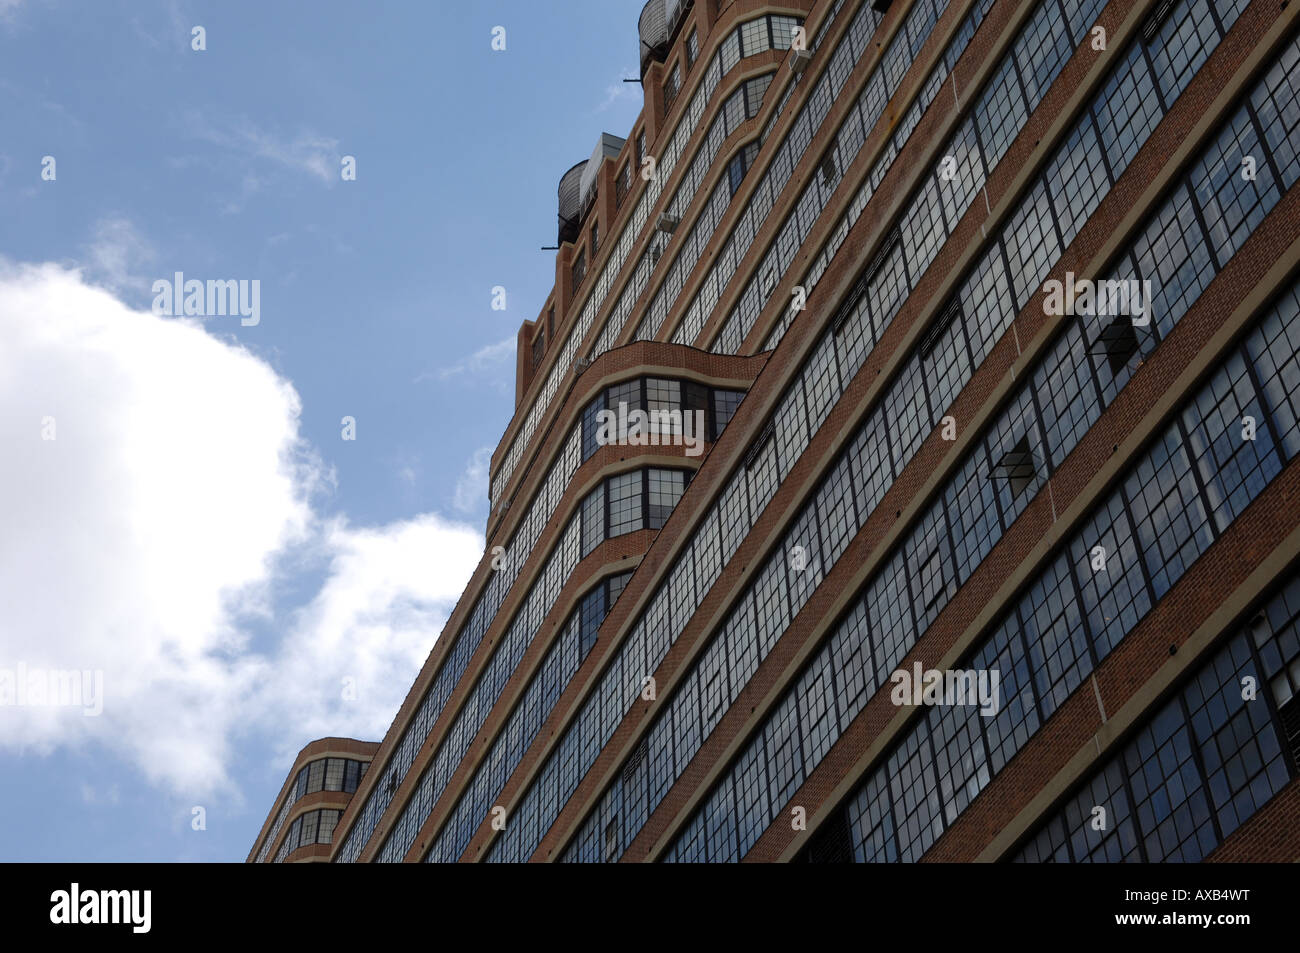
[835,234]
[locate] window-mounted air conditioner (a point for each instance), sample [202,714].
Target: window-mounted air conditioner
[667,223]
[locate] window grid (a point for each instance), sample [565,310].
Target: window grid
[763,500]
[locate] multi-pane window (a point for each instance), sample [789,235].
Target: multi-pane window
[334,774]
[836,518]
[1041,47]
[1099,821]
[628,502]
[1015,451]
[625,514]
[946,360]
[1229,439]
[539,348]
[1182,45]
[676,410]
[1275,634]
[738,166]
[754,36]
[871,820]
[931,574]
[1191,774]
[1049,846]
[1239,747]
[1016,717]
[327,774]
[1170,800]
[907,412]
[1173,527]
[725,404]
[593,519]
[313,827]
[1173,254]
[1000,112]
[622,184]
[316,776]
[1127,110]
[1234,186]
[960,759]
[579,269]
[1032,244]
[1066,394]
[973,513]
[1055,634]
[591,612]
[1077,180]
[1274,101]
[889,612]
[914,789]
[665,489]
[1274,349]
[672,85]
[852,664]
[662,397]
[1109,571]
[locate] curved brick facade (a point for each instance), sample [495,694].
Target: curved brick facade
[857,224]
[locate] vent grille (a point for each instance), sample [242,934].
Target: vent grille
[757,446]
[1155,20]
[860,286]
[940,325]
[635,760]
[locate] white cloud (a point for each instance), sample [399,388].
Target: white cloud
[145,539]
[618,91]
[472,487]
[110,795]
[388,594]
[487,358]
[115,253]
[303,151]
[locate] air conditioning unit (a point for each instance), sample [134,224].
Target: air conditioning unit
[799,60]
[667,223]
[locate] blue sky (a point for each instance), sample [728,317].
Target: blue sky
[195,527]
